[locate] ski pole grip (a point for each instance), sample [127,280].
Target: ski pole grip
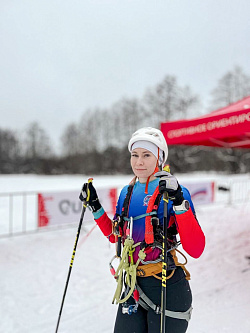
[165,197]
[90,180]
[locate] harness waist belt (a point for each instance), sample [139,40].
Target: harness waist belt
[152,270]
[149,269]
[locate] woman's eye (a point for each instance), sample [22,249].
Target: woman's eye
[147,155]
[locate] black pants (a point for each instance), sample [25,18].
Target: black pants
[179,298]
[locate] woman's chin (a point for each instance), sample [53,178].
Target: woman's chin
[142,175]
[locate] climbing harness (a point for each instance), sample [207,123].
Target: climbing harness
[128,270]
[146,303]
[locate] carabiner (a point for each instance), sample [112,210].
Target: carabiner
[112,270]
[129,309]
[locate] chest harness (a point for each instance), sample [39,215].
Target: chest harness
[128,270]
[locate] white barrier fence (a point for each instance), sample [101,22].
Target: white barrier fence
[23,212]
[18,213]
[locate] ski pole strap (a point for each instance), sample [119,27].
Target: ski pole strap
[146,303]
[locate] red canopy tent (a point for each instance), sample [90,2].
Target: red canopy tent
[227,127]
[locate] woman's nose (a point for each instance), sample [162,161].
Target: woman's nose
[139,161]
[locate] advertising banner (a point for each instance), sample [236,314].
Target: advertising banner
[58,208]
[201,192]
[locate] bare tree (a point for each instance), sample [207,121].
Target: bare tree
[133,114]
[37,143]
[169,101]
[9,151]
[70,140]
[89,130]
[126,116]
[233,86]
[187,103]
[107,129]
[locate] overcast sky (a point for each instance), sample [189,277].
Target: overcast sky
[60,57]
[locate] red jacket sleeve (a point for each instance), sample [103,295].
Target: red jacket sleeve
[105,225]
[191,234]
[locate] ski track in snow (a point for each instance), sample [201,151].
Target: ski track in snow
[34,268]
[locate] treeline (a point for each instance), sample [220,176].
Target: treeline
[97,142]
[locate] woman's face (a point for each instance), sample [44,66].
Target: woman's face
[143,163]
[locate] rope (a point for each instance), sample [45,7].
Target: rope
[130,270]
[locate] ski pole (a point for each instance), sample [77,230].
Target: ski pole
[164,264]
[85,204]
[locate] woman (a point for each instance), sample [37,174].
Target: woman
[138,222]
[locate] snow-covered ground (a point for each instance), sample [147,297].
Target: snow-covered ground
[34,269]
